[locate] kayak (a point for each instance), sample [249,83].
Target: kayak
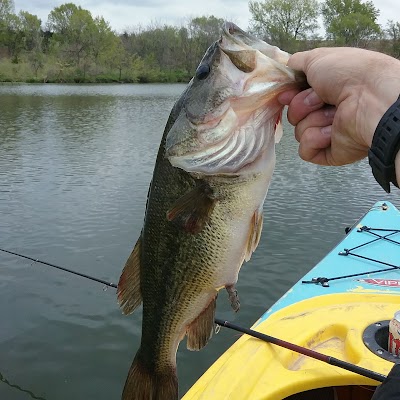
[341,308]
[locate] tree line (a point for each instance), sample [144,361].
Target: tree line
[74,46]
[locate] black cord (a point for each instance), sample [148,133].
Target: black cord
[323,281]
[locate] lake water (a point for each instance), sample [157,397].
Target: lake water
[75,164]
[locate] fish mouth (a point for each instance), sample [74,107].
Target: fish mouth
[228,152]
[232,40]
[237,123]
[210,120]
[234,34]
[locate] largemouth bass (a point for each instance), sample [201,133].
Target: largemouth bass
[204,209]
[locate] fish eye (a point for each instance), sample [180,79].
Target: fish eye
[203,71]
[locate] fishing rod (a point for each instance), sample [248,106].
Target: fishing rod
[266,338]
[303,350]
[37,261]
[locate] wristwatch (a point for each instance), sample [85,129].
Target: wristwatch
[385,146]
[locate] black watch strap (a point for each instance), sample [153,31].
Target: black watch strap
[385,146]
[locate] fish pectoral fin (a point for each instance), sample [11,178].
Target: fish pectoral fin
[200,331]
[233,297]
[254,233]
[128,292]
[192,211]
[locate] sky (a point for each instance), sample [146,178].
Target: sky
[127,14]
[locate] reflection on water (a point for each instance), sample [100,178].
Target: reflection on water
[75,164]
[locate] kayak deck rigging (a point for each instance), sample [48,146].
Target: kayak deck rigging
[329,315]
[350,252]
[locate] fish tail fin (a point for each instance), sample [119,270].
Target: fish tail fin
[143,383]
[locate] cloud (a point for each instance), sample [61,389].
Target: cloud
[123,14]
[127,13]
[389,10]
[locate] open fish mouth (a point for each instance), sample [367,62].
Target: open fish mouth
[231,111]
[239,59]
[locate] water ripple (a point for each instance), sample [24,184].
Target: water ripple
[75,165]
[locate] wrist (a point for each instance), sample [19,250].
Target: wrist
[377,97]
[383,154]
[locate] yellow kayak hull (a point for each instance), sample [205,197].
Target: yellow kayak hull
[331,324]
[361,291]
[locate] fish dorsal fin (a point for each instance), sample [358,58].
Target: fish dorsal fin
[128,293]
[199,332]
[255,230]
[278,128]
[192,211]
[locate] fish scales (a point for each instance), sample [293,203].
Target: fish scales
[204,209]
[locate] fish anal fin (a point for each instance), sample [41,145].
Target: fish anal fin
[200,331]
[143,383]
[192,211]
[128,292]
[255,230]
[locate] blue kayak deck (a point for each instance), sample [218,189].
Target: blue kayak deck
[373,244]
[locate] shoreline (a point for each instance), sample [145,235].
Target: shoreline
[91,83]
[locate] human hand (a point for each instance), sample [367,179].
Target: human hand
[350,91]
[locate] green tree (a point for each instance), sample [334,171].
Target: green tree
[59,19]
[207,28]
[284,22]
[80,39]
[33,38]
[160,44]
[117,57]
[14,38]
[6,13]
[73,29]
[164,46]
[393,34]
[350,22]
[31,27]
[101,37]
[201,32]
[6,9]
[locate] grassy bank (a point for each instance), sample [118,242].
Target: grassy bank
[52,72]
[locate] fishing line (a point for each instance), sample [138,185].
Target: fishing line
[219,322]
[35,260]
